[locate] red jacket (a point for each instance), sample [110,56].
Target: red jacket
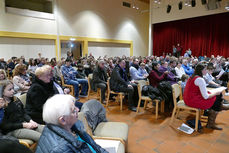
[155,79]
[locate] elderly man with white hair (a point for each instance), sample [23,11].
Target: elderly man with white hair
[60,114]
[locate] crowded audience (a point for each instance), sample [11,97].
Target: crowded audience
[49,103]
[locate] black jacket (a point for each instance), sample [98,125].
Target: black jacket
[99,76]
[14,116]
[119,79]
[37,95]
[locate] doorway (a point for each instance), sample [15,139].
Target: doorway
[73,46]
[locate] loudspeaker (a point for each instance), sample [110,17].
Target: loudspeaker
[169,8]
[193,3]
[180,5]
[204,2]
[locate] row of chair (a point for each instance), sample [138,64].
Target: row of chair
[114,131]
[120,96]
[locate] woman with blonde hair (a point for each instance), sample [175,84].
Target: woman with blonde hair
[20,85]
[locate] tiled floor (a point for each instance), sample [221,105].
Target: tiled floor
[148,135]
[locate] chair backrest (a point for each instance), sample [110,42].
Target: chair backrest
[90,76]
[108,85]
[177,92]
[22,98]
[141,83]
[82,118]
[62,80]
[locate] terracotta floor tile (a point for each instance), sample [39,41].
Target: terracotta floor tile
[148,135]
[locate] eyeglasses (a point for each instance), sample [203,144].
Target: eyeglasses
[75,110]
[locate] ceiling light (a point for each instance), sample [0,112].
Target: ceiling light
[72,39]
[227,6]
[157,1]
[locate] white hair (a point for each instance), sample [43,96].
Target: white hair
[57,106]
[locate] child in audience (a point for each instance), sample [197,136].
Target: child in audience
[15,121]
[184,80]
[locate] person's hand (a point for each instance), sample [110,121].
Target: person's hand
[66,91]
[145,75]
[27,125]
[217,77]
[218,92]
[132,81]
[166,72]
[129,85]
[34,124]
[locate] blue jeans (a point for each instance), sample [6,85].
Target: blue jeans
[75,83]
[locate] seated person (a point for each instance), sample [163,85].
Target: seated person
[99,79]
[60,114]
[155,77]
[81,72]
[42,62]
[59,89]
[40,90]
[16,122]
[32,66]
[57,71]
[110,67]
[179,70]
[142,70]
[197,96]
[188,70]
[119,82]
[8,142]
[171,67]
[69,74]
[184,80]
[134,74]
[20,85]
[3,75]
[170,76]
[209,79]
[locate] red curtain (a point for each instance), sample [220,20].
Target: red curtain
[208,35]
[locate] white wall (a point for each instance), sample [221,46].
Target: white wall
[18,23]
[105,19]
[87,18]
[109,49]
[158,12]
[29,48]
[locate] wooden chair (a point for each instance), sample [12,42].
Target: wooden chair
[119,94]
[71,87]
[90,76]
[117,131]
[147,99]
[177,92]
